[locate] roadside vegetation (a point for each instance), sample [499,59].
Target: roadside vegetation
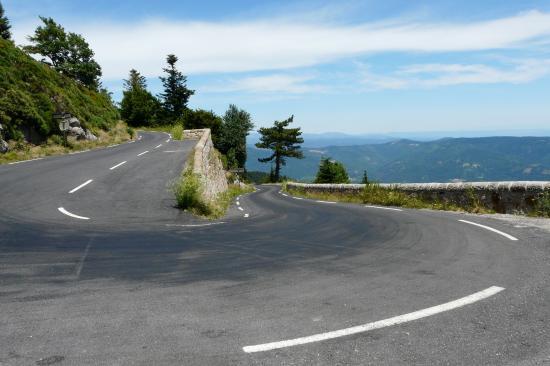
[542,206]
[374,194]
[55,145]
[189,197]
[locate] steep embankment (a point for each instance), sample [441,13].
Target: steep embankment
[31,92]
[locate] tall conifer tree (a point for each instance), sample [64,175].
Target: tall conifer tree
[176,94]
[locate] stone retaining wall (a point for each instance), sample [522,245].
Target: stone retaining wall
[207,164]
[503,197]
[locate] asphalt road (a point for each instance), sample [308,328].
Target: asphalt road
[141,283]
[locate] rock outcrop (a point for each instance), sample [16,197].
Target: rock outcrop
[4,147]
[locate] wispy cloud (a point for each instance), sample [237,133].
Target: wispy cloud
[276,44]
[435,75]
[274,83]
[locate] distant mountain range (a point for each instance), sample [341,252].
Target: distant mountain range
[344,139]
[443,160]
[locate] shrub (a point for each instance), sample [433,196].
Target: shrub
[542,205]
[177,132]
[188,193]
[331,171]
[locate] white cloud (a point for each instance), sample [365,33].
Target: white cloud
[275,44]
[434,75]
[274,83]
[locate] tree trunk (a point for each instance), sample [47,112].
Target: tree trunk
[277,167]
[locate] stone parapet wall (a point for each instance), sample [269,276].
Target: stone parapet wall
[502,197]
[207,164]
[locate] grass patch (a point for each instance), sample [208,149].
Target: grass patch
[54,145]
[374,194]
[189,197]
[177,132]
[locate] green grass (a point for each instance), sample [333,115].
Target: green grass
[374,194]
[177,132]
[31,92]
[189,197]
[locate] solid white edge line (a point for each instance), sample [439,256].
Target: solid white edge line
[24,161]
[195,225]
[145,152]
[284,194]
[493,290]
[156,147]
[65,212]
[82,185]
[298,198]
[384,208]
[490,229]
[116,166]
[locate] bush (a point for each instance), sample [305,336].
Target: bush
[331,172]
[542,205]
[188,193]
[177,132]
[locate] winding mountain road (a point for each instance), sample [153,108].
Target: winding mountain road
[98,268]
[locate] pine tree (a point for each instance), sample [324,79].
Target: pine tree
[176,94]
[283,141]
[4,25]
[365,179]
[331,171]
[138,106]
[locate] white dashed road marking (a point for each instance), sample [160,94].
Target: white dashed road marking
[325,201]
[384,208]
[65,212]
[490,229]
[246,215]
[25,161]
[156,147]
[82,185]
[240,208]
[378,324]
[116,166]
[143,153]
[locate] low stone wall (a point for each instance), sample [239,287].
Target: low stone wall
[207,164]
[502,197]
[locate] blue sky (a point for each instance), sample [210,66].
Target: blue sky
[348,66]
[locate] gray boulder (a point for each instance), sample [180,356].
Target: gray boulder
[74,122]
[4,147]
[77,132]
[90,136]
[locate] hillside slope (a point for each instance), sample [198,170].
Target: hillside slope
[469,159]
[31,92]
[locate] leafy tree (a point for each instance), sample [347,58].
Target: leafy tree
[237,124]
[138,106]
[283,141]
[200,118]
[68,53]
[331,171]
[365,179]
[4,25]
[176,94]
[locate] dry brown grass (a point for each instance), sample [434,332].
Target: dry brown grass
[24,151]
